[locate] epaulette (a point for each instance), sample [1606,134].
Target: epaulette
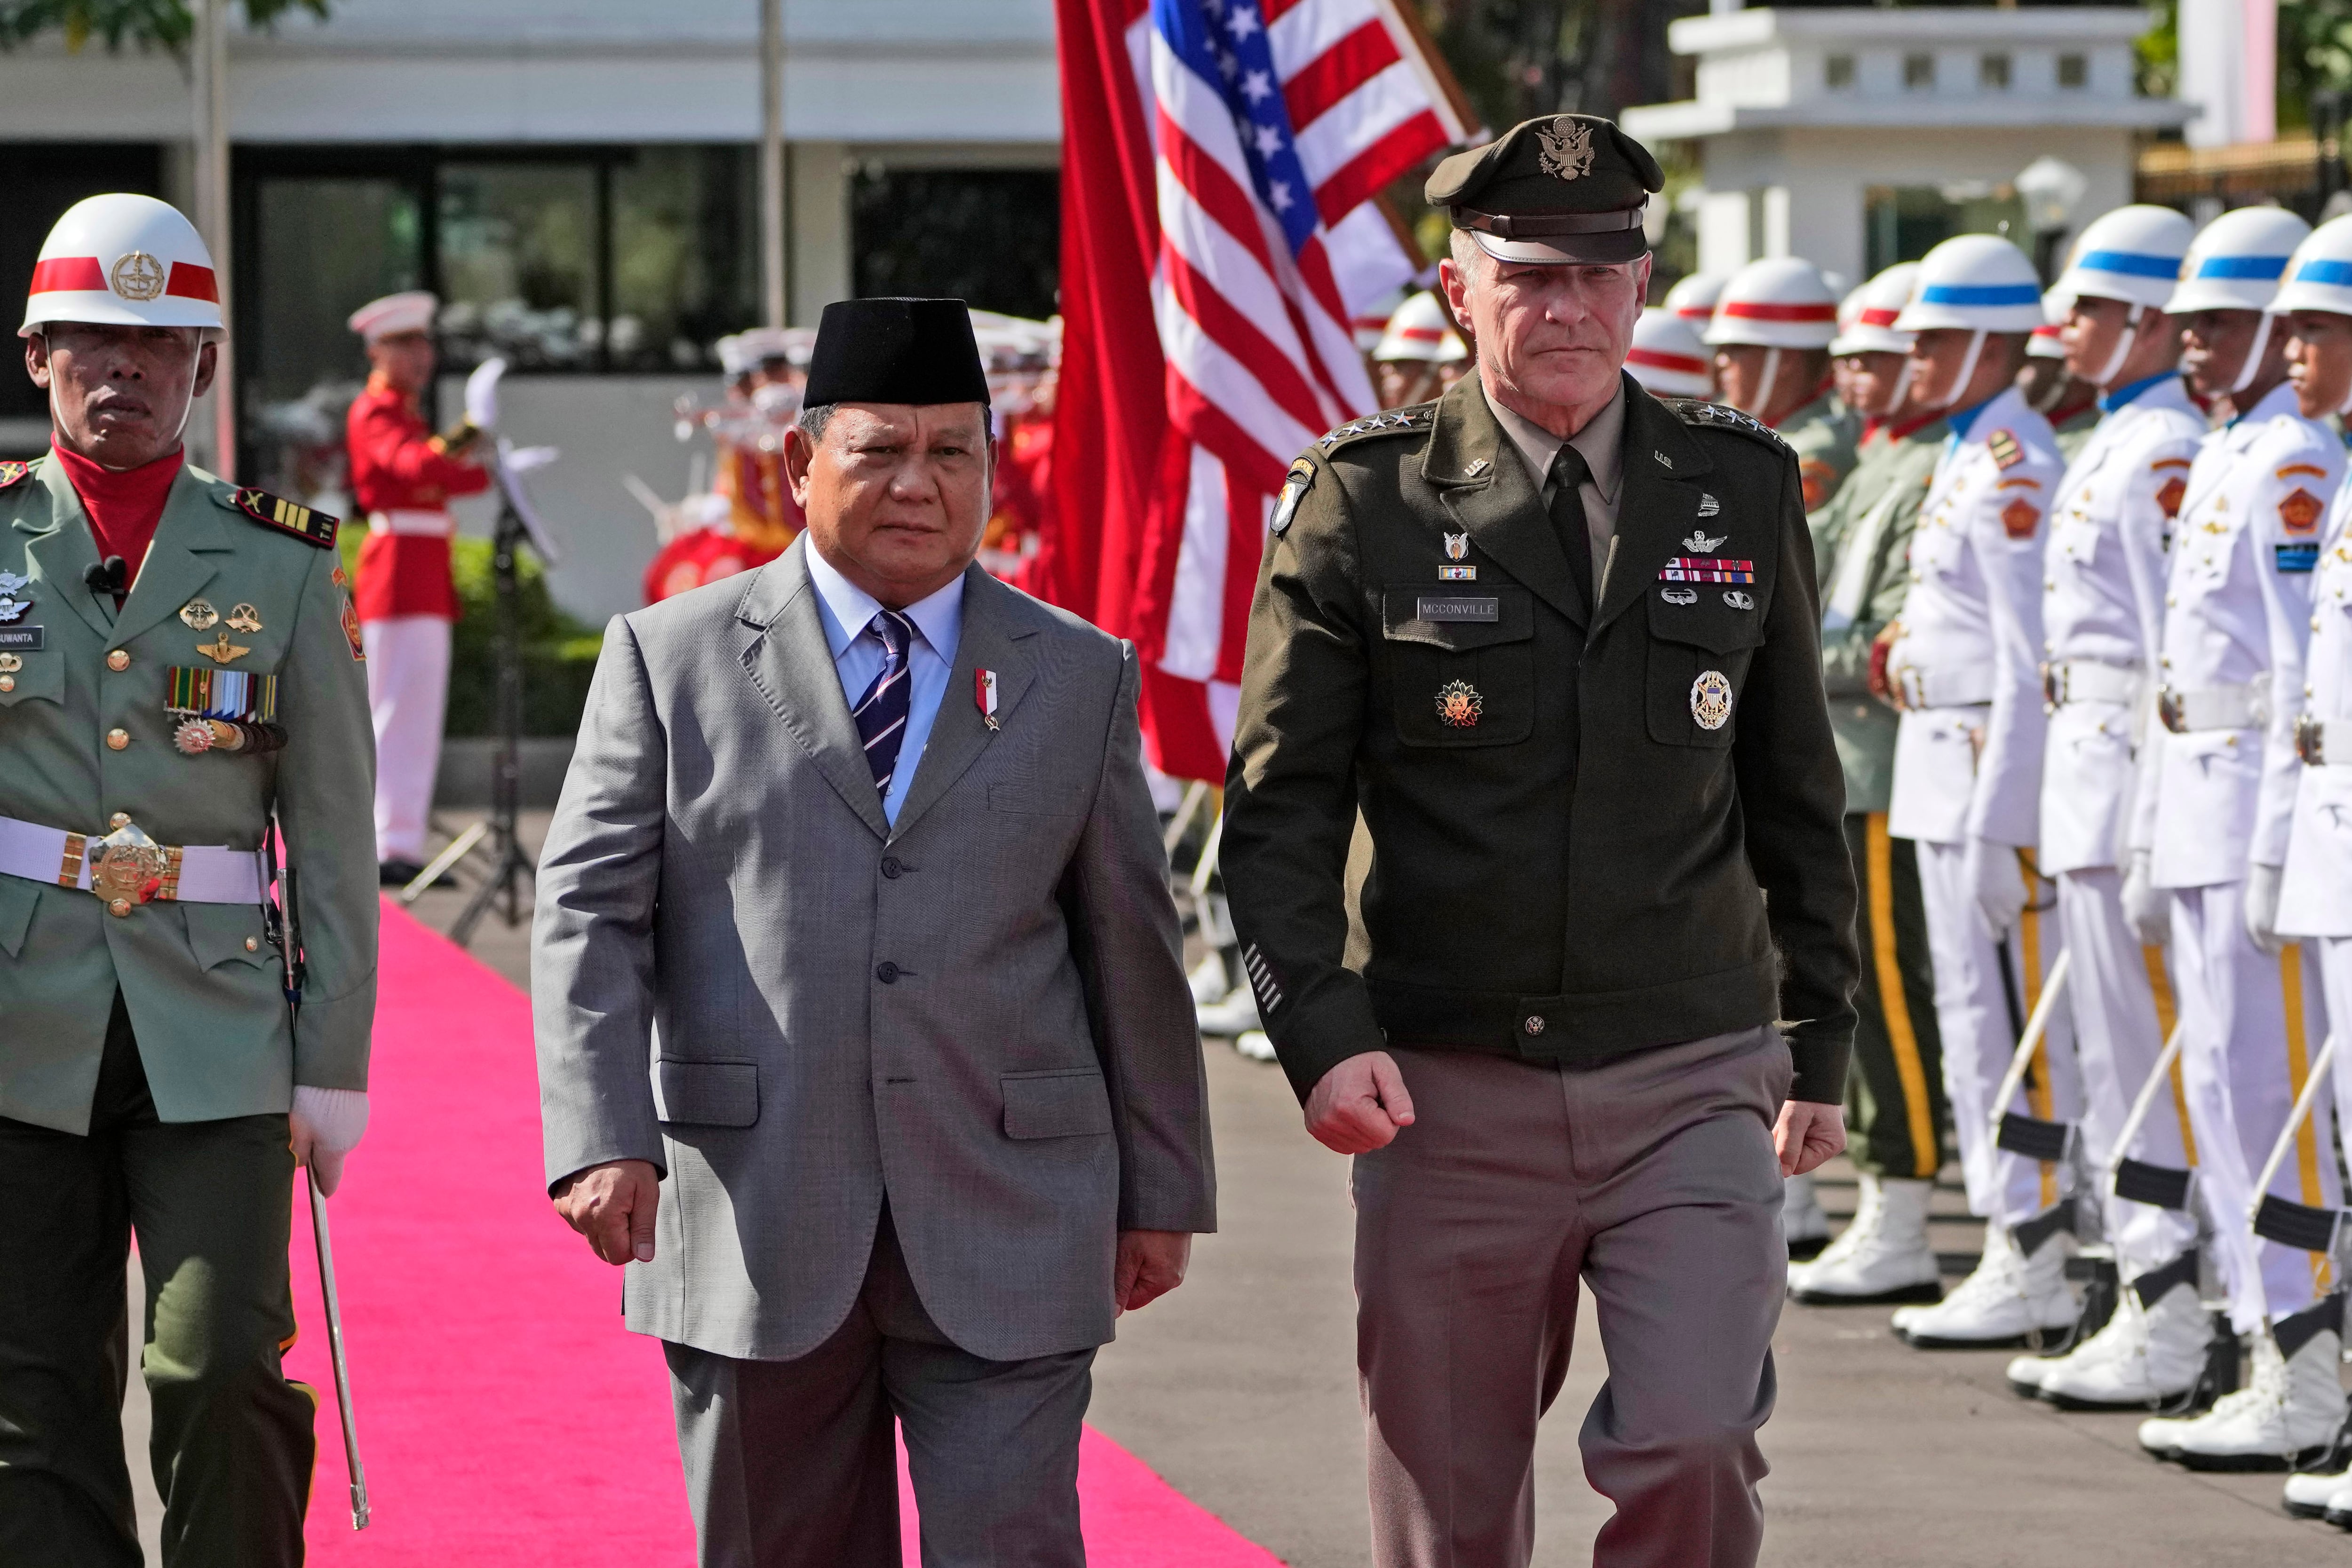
[1395,422]
[274,511]
[14,473]
[1720,416]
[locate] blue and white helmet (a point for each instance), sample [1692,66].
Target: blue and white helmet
[2132,254]
[2237,260]
[1974,283]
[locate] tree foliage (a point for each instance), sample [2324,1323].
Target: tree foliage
[2314,55]
[149,24]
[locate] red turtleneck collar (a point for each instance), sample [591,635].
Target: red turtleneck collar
[124,505]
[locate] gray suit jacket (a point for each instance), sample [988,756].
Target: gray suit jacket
[742,974]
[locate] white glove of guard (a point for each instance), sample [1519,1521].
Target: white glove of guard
[2262,907]
[2146,905]
[524,459]
[326,1124]
[482,393]
[1999,878]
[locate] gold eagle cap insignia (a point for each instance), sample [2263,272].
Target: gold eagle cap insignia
[1567,153]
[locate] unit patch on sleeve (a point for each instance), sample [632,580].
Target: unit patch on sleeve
[2168,495]
[287,517]
[2300,511]
[2006,452]
[2019,519]
[1294,485]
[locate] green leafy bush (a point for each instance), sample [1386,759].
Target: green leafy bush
[559,651]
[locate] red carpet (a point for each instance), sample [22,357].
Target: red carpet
[506,1417]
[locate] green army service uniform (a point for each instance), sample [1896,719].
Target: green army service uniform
[2073,428]
[1863,540]
[149,1059]
[1824,433]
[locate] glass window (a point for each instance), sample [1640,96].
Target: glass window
[1904,223]
[1919,71]
[1839,70]
[2073,70]
[686,254]
[519,265]
[1992,72]
[990,237]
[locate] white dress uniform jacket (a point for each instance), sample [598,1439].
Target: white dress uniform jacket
[2316,899]
[2220,793]
[1968,756]
[2103,614]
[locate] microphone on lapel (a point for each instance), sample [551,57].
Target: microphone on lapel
[112,575]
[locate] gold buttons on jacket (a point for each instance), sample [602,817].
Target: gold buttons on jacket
[119,820]
[120,908]
[1535,1025]
[116,740]
[251,946]
[118,659]
[7,683]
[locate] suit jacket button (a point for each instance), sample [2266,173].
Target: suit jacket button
[891,867]
[118,659]
[116,740]
[886,972]
[120,908]
[1535,1025]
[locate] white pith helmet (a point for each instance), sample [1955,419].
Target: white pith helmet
[2237,260]
[1978,283]
[127,261]
[2132,254]
[1417,332]
[2048,342]
[2319,273]
[1694,297]
[1667,358]
[1370,327]
[1779,303]
[1881,301]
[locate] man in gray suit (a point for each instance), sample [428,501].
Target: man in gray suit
[864,1036]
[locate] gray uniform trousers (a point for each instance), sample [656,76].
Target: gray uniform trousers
[792,1464]
[1652,1179]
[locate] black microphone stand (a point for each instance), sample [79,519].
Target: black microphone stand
[513,868]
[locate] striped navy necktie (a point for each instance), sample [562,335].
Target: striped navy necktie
[881,713]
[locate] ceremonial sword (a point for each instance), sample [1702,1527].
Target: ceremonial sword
[283,921]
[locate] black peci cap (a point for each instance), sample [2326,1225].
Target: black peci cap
[895,350]
[1564,188]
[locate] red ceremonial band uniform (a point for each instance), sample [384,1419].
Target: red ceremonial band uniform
[394,469]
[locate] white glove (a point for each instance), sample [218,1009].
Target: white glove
[1999,878]
[326,1124]
[482,393]
[2262,906]
[524,459]
[2146,905]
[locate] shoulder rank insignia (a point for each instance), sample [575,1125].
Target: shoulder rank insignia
[1395,422]
[1294,485]
[310,526]
[2006,452]
[1721,416]
[14,473]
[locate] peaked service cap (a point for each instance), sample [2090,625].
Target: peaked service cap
[1564,188]
[410,312]
[898,352]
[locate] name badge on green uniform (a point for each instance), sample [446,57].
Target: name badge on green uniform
[1457,607]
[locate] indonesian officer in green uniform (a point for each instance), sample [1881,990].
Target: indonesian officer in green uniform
[1558,643]
[178,664]
[1862,540]
[1771,333]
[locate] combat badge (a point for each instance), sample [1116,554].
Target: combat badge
[2006,452]
[1459,705]
[1294,485]
[2300,512]
[1711,700]
[198,615]
[245,618]
[2019,519]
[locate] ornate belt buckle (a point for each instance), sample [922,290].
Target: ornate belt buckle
[127,864]
[2308,740]
[2167,710]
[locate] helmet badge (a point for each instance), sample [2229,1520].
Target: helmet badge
[137,276]
[1567,151]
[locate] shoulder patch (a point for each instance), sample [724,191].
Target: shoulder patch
[1720,416]
[1294,485]
[14,473]
[2161,463]
[2300,512]
[2006,452]
[2292,469]
[274,511]
[1394,421]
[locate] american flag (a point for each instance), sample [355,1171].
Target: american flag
[1268,127]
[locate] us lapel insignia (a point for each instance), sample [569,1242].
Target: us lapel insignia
[984,695]
[1477,466]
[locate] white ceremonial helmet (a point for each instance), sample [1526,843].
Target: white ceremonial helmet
[127,261]
[1878,302]
[1693,299]
[1780,303]
[1417,332]
[2235,265]
[2132,254]
[731,363]
[758,345]
[2048,341]
[1979,284]
[2319,278]
[1370,325]
[1667,358]
[410,312]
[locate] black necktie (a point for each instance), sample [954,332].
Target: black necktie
[1569,471]
[881,713]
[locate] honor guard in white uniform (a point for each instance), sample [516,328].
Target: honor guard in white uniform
[2238,610]
[2315,897]
[1964,662]
[2102,610]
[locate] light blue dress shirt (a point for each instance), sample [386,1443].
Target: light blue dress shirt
[849,611]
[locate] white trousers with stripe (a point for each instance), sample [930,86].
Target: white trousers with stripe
[2251,1025]
[409,693]
[2122,1000]
[1973,1018]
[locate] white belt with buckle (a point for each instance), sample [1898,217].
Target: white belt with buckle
[2087,681]
[435,524]
[2311,741]
[1924,688]
[126,867]
[2242,706]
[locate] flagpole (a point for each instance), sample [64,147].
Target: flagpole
[210,60]
[771,161]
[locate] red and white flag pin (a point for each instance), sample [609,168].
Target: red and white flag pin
[983,693]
